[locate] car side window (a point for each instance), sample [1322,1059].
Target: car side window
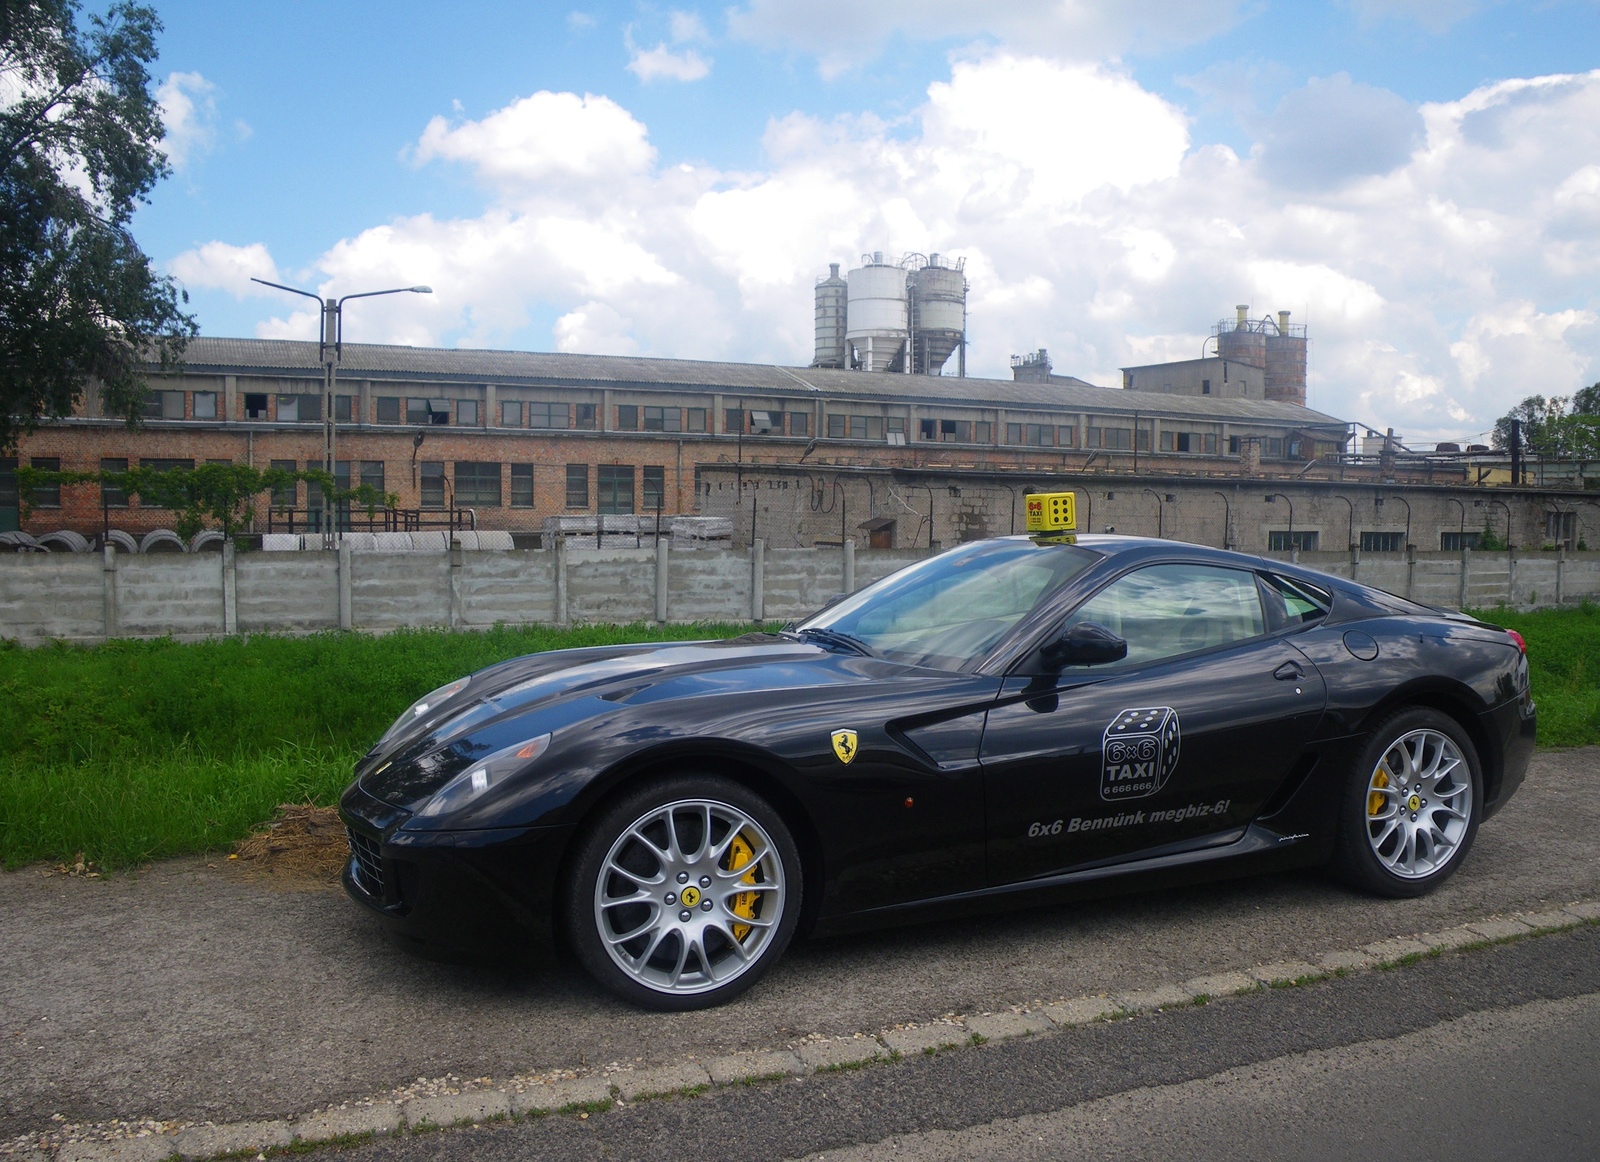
[1165,610]
[1300,602]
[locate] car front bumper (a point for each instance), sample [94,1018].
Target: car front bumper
[446,892]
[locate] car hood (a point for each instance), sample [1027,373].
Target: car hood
[527,697]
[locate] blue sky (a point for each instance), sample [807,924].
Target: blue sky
[670,179]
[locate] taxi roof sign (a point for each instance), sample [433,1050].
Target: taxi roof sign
[1052,512]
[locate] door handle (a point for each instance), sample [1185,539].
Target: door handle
[1288,672]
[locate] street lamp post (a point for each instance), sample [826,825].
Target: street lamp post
[330,350]
[1227,521]
[1377,502]
[1461,537]
[1160,512]
[1350,532]
[1507,507]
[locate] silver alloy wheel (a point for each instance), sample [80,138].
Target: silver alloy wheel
[1419,803]
[689,896]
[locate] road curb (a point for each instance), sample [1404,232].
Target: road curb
[585,1095]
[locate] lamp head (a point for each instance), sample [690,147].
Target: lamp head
[422,290]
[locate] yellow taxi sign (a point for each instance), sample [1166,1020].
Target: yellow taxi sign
[1052,512]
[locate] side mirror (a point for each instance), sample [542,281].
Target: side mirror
[1084,644]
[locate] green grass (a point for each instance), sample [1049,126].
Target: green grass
[1564,666]
[136,750]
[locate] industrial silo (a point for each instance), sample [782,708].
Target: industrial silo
[938,303]
[1244,342]
[876,315]
[1286,362]
[831,295]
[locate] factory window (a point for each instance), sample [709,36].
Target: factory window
[343,409]
[296,409]
[1282,542]
[895,430]
[695,420]
[1167,442]
[577,486]
[522,486]
[799,423]
[763,423]
[1038,435]
[433,484]
[205,405]
[554,415]
[1205,387]
[388,409]
[732,420]
[1066,436]
[9,497]
[615,491]
[1114,439]
[1233,445]
[1560,528]
[838,426]
[982,432]
[289,495]
[1449,542]
[427,411]
[582,416]
[655,488]
[163,405]
[931,430]
[467,413]
[255,405]
[1211,444]
[47,495]
[866,427]
[627,417]
[663,419]
[1382,542]
[219,463]
[372,474]
[1272,447]
[110,495]
[477,484]
[511,413]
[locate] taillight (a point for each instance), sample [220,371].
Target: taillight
[1517,637]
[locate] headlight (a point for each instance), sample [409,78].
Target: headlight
[422,705]
[479,777]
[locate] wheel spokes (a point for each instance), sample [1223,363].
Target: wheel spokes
[1414,839]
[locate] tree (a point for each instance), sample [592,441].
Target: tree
[79,150]
[1535,412]
[1587,401]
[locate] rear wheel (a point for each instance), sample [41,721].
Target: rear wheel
[684,893]
[1411,806]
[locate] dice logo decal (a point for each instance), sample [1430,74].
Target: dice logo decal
[1139,750]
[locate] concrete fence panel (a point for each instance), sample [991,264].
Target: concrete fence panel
[614,585]
[45,596]
[515,587]
[287,592]
[399,590]
[170,593]
[713,585]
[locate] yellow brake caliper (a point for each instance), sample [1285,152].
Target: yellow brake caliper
[1375,799]
[744,904]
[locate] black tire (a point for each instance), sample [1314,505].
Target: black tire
[780,881]
[1357,856]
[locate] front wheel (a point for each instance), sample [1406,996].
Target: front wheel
[684,893]
[1411,807]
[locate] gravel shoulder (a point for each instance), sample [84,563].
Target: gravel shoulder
[184,992]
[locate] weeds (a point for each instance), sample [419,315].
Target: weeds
[138,750]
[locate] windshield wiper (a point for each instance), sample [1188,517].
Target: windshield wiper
[834,637]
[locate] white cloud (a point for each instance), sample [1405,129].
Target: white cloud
[1334,130]
[1434,15]
[547,138]
[687,26]
[845,34]
[219,266]
[1439,286]
[661,63]
[580,21]
[189,112]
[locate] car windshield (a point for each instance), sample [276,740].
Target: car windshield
[949,611]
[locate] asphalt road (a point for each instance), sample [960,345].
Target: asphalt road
[184,992]
[1485,1054]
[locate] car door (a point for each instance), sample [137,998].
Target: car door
[1179,743]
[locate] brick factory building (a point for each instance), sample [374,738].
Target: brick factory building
[518,437]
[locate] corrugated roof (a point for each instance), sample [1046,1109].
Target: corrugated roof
[369,360]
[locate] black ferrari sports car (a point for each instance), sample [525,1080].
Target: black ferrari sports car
[1010,722]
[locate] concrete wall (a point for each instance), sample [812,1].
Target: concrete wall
[90,597]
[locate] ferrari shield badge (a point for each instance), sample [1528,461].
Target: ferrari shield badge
[844,745]
[1139,752]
